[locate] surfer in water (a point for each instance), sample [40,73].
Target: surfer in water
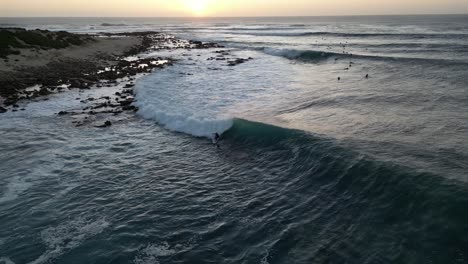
[215,139]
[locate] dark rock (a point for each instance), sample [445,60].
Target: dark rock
[3,110]
[237,61]
[106,124]
[125,103]
[61,113]
[44,91]
[100,106]
[129,107]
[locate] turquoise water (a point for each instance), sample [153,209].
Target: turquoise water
[310,169]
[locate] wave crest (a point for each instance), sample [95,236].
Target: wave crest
[196,126]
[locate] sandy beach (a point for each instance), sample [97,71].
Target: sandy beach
[103,50]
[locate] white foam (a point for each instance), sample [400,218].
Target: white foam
[183,107]
[197,126]
[188,97]
[67,236]
[151,253]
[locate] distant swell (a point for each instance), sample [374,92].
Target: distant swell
[314,56]
[302,55]
[112,25]
[352,35]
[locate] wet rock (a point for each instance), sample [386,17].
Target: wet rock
[129,107]
[238,61]
[10,101]
[43,92]
[125,103]
[3,110]
[75,84]
[61,113]
[103,105]
[106,124]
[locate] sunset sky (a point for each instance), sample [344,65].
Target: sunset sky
[176,8]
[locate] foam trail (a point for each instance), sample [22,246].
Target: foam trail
[67,236]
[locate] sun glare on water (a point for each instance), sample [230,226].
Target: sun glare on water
[197,7]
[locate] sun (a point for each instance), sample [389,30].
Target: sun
[197,7]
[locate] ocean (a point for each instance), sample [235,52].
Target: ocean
[344,140]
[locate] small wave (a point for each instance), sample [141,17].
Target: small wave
[303,55]
[113,25]
[258,28]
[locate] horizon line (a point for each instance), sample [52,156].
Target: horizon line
[270,16]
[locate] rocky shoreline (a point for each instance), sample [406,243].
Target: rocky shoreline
[57,75]
[120,70]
